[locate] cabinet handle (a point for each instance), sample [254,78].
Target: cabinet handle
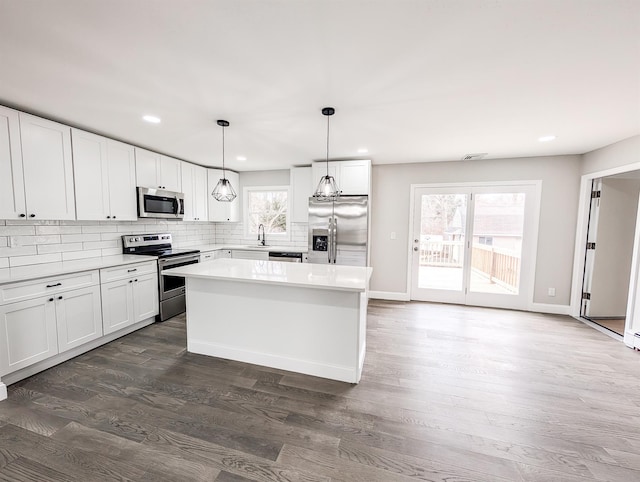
[108,217]
[50,299]
[135,280]
[53,286]
[32,215]
[59,297]
[113,217]
[130,281]
[23,215]
[132,270]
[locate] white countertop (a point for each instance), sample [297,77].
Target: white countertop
[204,248]
[36,271]
[308,275]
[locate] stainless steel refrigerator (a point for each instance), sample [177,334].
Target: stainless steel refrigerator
[338,231]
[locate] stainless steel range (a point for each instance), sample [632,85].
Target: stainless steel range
[171,288]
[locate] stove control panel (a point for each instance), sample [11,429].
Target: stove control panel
[145,240]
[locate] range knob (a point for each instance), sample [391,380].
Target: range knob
[137,239]
[131,240]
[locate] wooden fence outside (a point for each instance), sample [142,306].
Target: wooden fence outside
[500,266]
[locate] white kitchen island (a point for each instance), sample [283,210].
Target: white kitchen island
[306,318]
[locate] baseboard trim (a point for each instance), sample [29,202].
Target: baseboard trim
[551,309]
[632,340]
[308,367]
[389,295]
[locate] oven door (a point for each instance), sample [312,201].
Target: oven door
[157,203]
[171,286]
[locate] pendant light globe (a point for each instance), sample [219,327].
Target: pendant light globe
[327,189]
[223,191]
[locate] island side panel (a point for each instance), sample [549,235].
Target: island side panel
[362,332]
[305,330]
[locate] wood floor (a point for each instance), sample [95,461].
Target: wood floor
[448,393]
[614,324]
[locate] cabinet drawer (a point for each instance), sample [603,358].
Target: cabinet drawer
[127,271]
[208,256]
[248,254]
[25,290]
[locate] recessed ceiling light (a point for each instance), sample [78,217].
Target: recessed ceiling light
[151,118]
[546,138]
[363,150]
[241,158]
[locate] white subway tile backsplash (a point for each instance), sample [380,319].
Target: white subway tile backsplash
[111,228]
[111,236]
[15,241]
[129,229]
[36,259]
[111,251]
[19,251]
[50,241]
[76,238]
[71,255]
[11,230]
[99,244]
[41,230]
[30,222]
[59,248]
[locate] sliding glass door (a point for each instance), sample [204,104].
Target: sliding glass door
[469,244]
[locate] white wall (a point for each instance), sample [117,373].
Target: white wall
[621,153]
[560,176]
[614,247]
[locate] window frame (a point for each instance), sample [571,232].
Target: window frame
[246,212]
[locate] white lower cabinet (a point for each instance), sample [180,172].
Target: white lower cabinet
[249,254]
[35,329]
[128,301]
[145,297]
[78,317]
[217,254]
[44,318]
[27,333]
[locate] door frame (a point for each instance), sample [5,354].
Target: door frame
[633,303]
[527,277]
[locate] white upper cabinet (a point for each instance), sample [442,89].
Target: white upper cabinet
[355,177]
[194,187]
[12,202]
[47,168]
[105,178]
[352,177]
[226,212]
[301,184]
[170,173]
[158,171]
[147,166]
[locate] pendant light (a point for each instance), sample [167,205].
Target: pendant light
[223,191]
[327,189]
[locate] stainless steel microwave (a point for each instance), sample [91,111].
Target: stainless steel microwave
[158,203]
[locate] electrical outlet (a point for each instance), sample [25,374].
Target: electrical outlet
[393,235]
[551,292]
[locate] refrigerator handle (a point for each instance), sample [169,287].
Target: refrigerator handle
[335,239]
[330,241]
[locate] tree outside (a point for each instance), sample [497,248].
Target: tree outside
[270,209]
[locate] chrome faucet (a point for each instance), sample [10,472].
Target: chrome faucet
[264,239]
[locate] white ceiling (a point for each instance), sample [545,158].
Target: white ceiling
[412,81]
